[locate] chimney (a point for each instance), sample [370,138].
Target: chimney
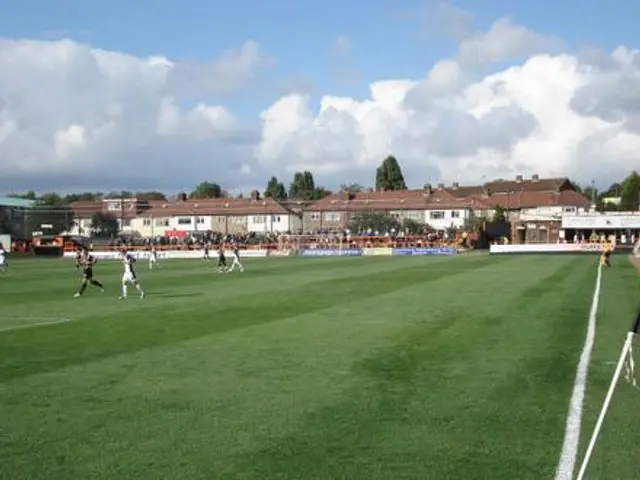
[535,177]
[441,186]
[428,189]
[255,195]
[519,178]
[456,185]
[181,196]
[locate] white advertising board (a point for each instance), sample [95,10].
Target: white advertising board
[603,222]
[170,254]
[547,248]
[5,240]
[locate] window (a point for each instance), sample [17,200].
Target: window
[332,217]
[259,219]
[315,215]
[239,220]
[113,206]
[455,214]
[436,215]
[162,222]
[184,220]
[415,215]
[569,209]
[275,218]
[126,222]
[146,222]
[200,220]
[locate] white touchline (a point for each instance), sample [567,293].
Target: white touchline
[40,323]
[571,442]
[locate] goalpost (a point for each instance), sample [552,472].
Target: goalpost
[625,361]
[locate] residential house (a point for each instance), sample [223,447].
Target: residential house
[183,216]
[434,207]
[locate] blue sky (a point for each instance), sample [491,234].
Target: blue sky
[388,39]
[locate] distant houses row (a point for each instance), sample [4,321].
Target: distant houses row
[439,206]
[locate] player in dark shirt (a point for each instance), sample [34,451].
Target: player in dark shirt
[78,259]
[222,260]
[87,262]
[206,252]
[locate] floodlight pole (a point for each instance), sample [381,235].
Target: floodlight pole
[635,327]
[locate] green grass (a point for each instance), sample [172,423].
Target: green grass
[348,368]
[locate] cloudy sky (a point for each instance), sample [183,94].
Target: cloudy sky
[111,95]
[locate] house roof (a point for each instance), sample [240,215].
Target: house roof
[519,184]
[208,206]
[450,198]
[532,199]
[217,206]
[391,200]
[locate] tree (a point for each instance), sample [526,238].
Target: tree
[303,186]
[352,188]
[151,195]
[499,214]
[591,193]
[120,194]
[389,175]
[413,227]
[630,192]
[275,189]
[207,190]
[320,192]
[83,197]
[376,222]
[104,224]
[51,215]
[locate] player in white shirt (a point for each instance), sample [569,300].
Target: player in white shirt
[129,275]
[153,257]
[235,255]
[3,259]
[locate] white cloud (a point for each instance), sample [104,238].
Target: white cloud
[342,45]
[72,116]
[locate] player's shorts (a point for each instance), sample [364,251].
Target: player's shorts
[88,274]
[153,258]
[3,260]
[129,278]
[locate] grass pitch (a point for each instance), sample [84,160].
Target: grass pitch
[347,368]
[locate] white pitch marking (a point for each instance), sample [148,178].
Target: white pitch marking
[40,322]
[571,442]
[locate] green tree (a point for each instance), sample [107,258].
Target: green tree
[352,188]
[51,215]
[413,227]
[389,175]
[377,222]
[498,214]
[104,224]
[207,190]
[275,189]
[320,193]
[30,195]
[120,194]
[630,192]
[83,197]
[303,186]
[151,195]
